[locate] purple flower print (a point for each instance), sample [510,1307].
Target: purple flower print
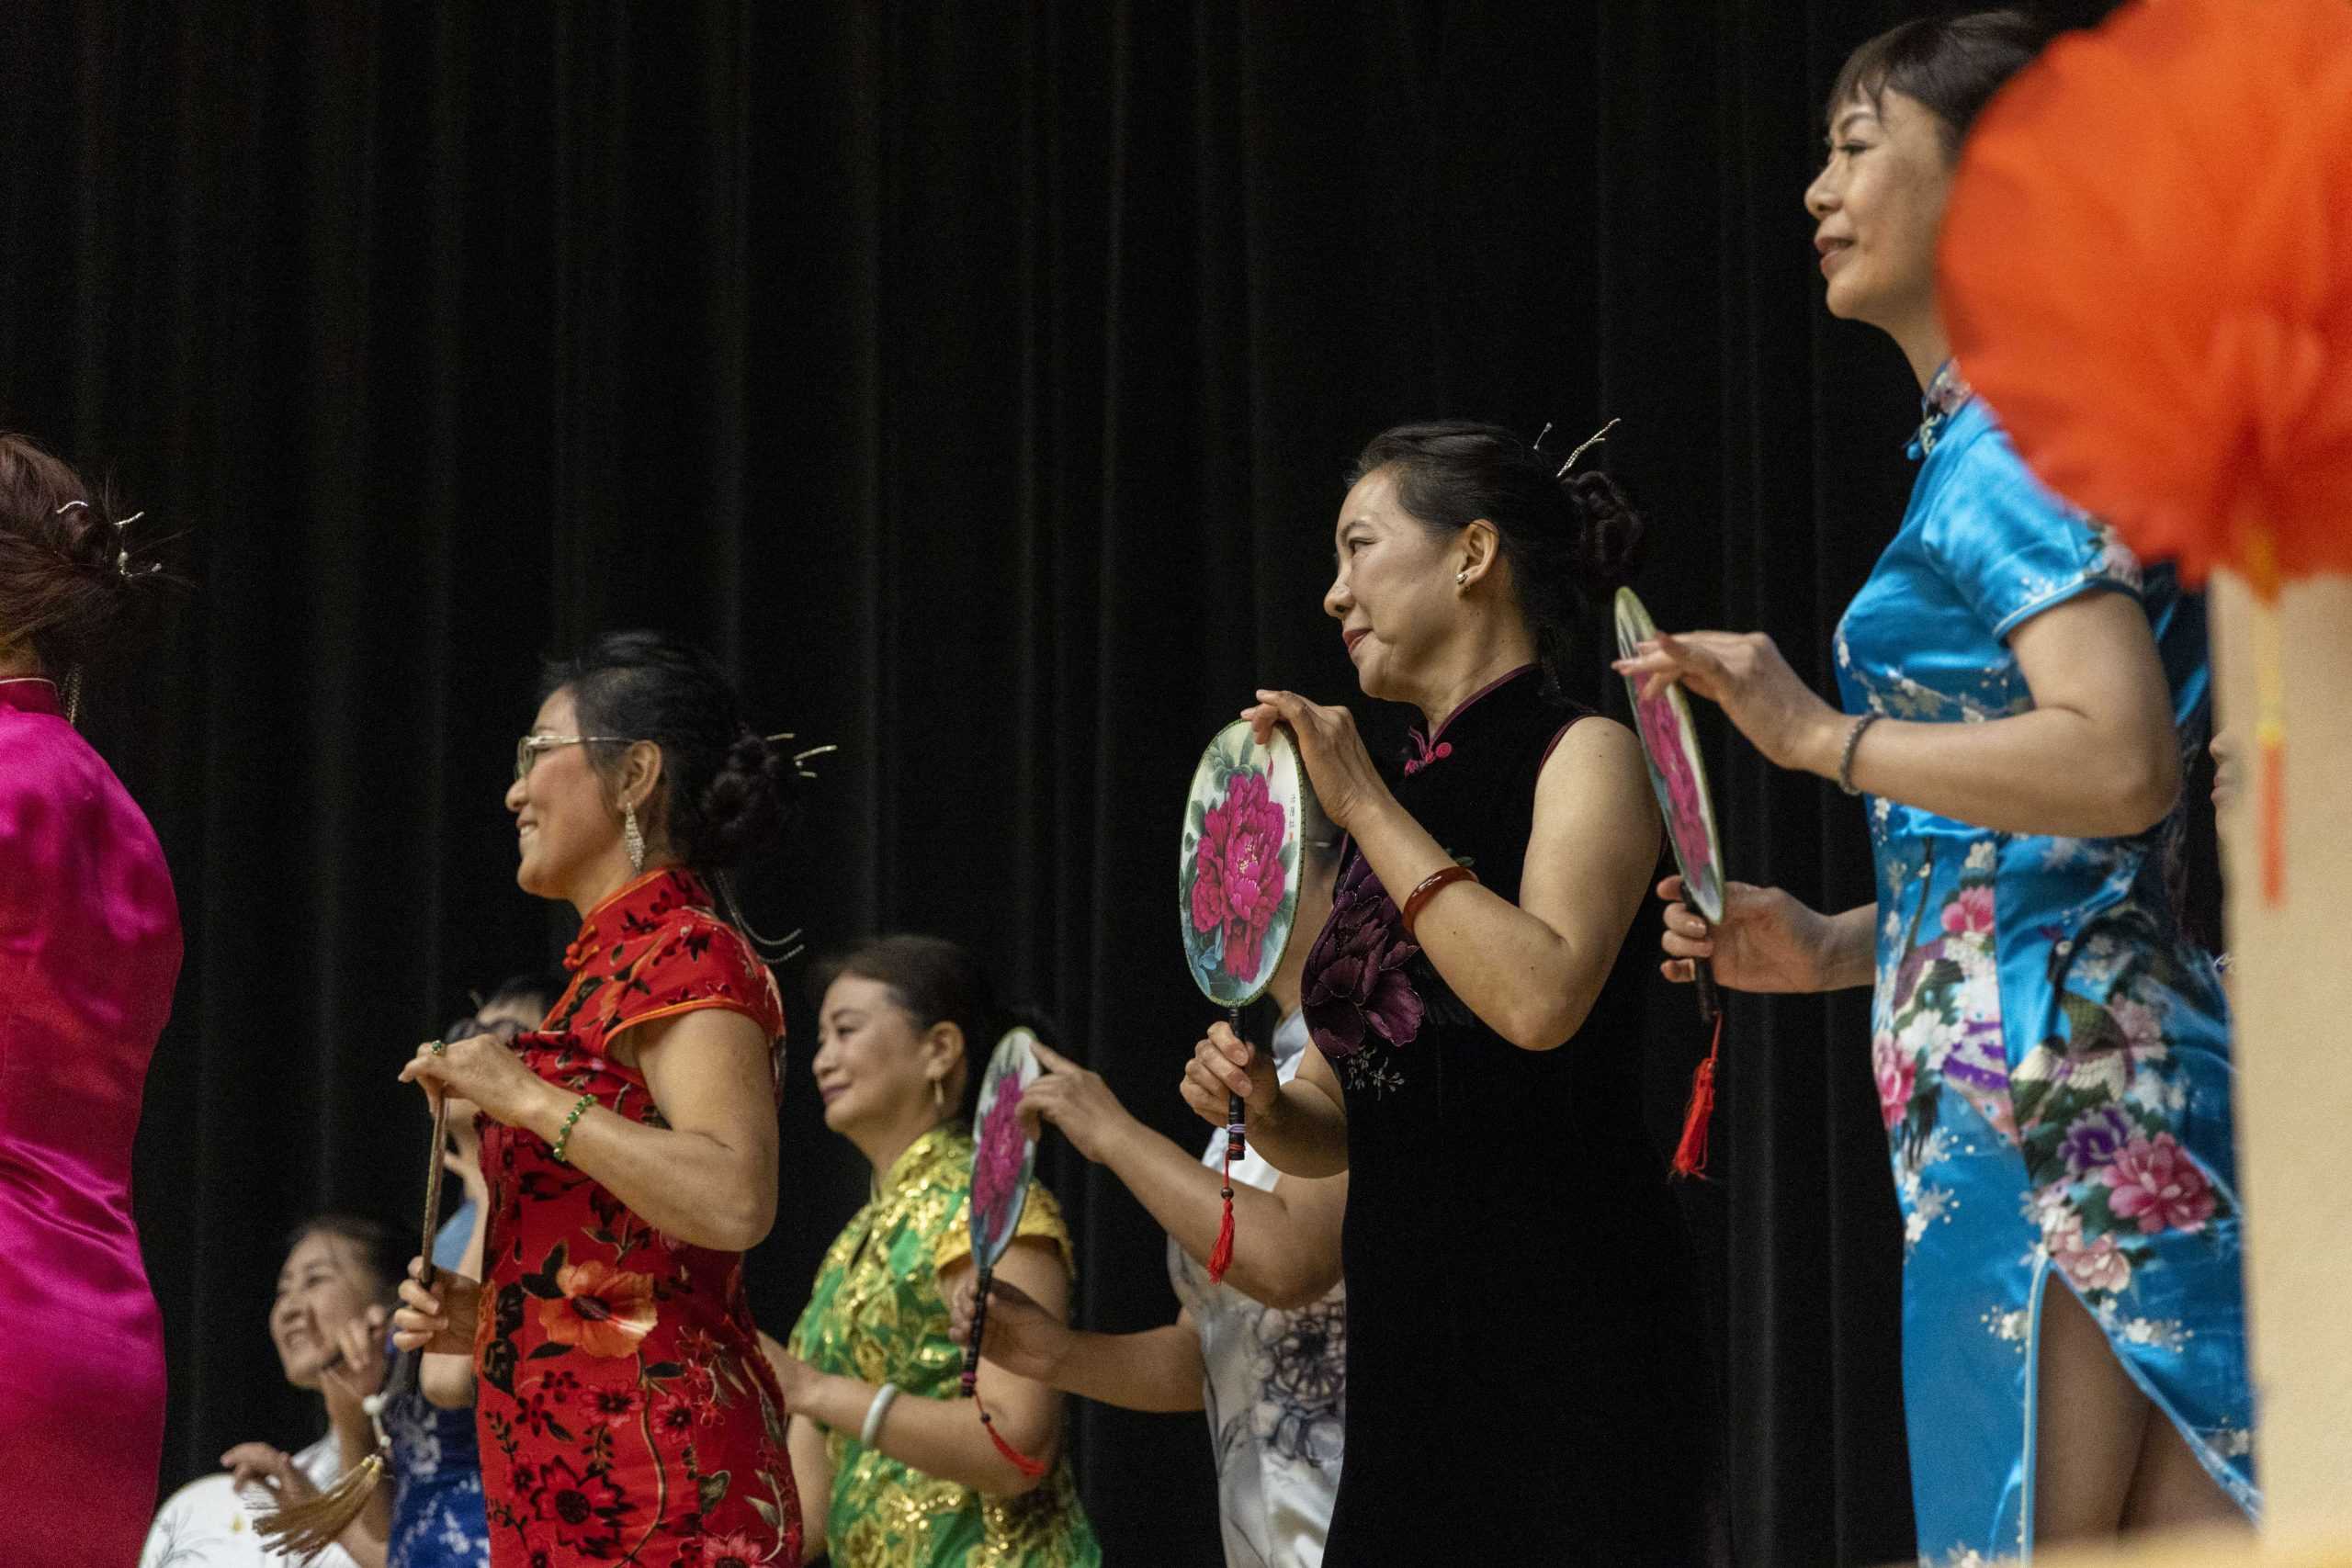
[1355,981]
[2095,1139]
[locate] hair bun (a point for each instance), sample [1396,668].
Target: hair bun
[1614,531]
[65,573]
[748,799]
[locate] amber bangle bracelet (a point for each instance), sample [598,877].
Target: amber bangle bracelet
[1428,890]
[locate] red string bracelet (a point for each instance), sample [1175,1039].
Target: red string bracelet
[1428,890]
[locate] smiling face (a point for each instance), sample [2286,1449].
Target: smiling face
[566,826]
[875,1064]
[1394,596]
[1877,205]
[326,1283]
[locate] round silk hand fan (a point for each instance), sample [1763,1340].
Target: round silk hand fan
[1679,775]
[1004,1155]
[1237,893]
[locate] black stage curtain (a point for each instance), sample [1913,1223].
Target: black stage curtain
[977,379]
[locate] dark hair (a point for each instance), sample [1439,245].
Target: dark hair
[726,792]
[383,1249]
[66,571]
[539,986]
[1952,64]
[936,981]
[1568,537]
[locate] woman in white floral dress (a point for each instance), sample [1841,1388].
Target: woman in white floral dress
[2050,1049]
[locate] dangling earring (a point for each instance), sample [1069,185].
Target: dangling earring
[939,1097]
[631,839]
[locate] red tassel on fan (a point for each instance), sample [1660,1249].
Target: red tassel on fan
[1221,1255]
[1019,1460]
[1691,1154]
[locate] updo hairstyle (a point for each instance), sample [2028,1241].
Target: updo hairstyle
[1570,539]
[726,792]
[67,570]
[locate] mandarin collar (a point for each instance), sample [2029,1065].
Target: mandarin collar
[31,693]
[631,899]
[913,1161]
[1433,747]
[1947,392]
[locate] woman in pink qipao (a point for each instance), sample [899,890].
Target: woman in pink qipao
[89,948]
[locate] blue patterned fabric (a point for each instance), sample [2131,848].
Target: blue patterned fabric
[437,1516]
[2051,1052]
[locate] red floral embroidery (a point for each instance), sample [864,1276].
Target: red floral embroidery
[626,1411]
[604,1311]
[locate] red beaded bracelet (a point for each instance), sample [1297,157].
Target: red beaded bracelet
[1428,890]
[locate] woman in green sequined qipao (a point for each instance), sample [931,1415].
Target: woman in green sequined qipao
[907,1472]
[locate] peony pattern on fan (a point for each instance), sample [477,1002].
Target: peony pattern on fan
[1004,1155]
[1238,875]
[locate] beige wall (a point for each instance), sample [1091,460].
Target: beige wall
[2291,995]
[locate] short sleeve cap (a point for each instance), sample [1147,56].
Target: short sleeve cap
[1041,1216]
[2009,548]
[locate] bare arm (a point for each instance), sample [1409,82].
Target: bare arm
[2097,756]
[1158,1370]
[1286,1241]
[1532,970]
[943,1437]
[708,1177]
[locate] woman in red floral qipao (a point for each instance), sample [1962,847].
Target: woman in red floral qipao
[629,1143]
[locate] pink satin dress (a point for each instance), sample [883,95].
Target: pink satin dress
[89,950]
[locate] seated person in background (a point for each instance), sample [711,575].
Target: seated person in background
[437,1512]
[328,1323]
[1263,1351]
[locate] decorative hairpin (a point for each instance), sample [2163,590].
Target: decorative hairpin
[122,549]
[800,759]
[1597,438]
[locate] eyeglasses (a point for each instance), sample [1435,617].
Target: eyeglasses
[527,749]
[505,1028]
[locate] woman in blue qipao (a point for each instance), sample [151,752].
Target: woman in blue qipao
[2021,699]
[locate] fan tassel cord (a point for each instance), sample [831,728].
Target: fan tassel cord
[1691,1154]
[1221,1255]
[304,1528]
[1028,1467]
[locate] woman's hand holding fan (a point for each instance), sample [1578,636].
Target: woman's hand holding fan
[1744,674]
[1766,941]
[1022,1337]
[437,1319]
[1339,767]
[1223,1068]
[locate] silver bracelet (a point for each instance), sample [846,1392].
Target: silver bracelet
[1846,762]
[883,1397]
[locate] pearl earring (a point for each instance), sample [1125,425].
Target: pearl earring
[1461,576]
